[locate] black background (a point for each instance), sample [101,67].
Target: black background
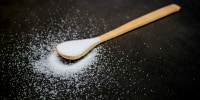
[179,63]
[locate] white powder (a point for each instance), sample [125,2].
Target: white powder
[58,67]
[76,47]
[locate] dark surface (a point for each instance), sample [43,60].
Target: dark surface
[167,51]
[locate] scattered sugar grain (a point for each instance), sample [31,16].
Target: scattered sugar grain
[39,77]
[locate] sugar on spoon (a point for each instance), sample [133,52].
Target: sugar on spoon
[76,49]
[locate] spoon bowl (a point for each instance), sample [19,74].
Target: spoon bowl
[76,49]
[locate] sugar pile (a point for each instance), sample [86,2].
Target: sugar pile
[54,64]
[57,66]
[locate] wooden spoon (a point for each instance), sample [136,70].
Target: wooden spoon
[75,49]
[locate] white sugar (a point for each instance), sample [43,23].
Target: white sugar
[46,61]
[76,47]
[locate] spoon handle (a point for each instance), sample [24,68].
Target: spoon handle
[145,19]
